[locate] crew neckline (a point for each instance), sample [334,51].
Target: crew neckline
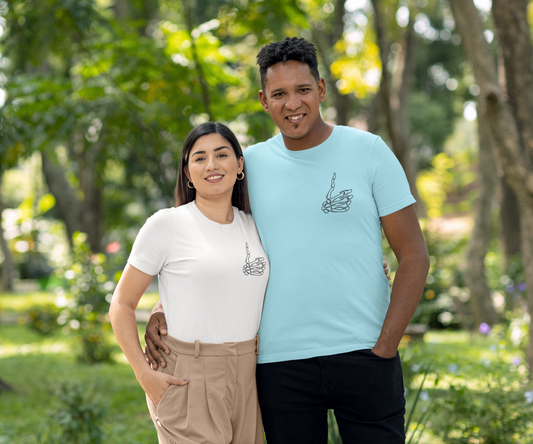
[314,149]
[197,211]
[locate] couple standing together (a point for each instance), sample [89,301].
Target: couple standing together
[328,323]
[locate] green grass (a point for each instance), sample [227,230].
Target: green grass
[13,302]
[35,365]
[20,303]
[457,358]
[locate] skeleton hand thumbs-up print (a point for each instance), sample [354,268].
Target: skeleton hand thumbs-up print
[254,268]
[340,203]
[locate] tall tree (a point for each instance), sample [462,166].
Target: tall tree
[115,93]
[509,126]
[395,91]
[475,277]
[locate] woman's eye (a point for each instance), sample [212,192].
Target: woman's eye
[198,159]
[222,155]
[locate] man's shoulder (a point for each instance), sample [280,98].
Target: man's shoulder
[355,134]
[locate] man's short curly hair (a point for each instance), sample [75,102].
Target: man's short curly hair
[292,48]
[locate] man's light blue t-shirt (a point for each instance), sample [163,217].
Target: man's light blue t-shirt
[318,214]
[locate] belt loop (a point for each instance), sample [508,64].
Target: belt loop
[197,348]
[256,345]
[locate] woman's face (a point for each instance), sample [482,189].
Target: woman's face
[213,167]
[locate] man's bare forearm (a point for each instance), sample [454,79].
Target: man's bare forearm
[157,308]
[406,292]
[407,242]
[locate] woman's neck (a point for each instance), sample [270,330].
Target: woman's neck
[220,211]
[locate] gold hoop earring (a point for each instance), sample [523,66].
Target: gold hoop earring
[242,177]
[189,185]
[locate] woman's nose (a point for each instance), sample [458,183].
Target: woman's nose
[212,163]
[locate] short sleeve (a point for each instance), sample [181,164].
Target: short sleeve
[390,187]
[150,250]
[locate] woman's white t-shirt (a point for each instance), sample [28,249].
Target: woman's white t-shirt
[212,277]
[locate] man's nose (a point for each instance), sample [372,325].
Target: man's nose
[293,102]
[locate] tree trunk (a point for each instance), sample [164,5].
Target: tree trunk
[515,41]
[77,215]
[373,112]
[67,204]
[526,222]
[7,265]
[509,129]
[396,91]
[509,221]
[324,42]
[92,205]
[510,18]
[480,295]
[509,211]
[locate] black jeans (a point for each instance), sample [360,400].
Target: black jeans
[364,390]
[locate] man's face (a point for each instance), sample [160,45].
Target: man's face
[292,98]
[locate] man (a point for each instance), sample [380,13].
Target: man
[320,196]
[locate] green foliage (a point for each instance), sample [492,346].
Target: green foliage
[96,347]
[444,302]
[479,388]
[432,122]
[415,430]
[496,414]
[78,419]
[23,412]
[23,302]
[43,318]
[334,436]
[88,292]
[88,287]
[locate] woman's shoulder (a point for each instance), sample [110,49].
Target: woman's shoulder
[169,215]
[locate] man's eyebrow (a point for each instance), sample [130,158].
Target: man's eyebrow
[297,86]
[216,149]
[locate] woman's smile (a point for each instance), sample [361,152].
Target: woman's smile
[214,178]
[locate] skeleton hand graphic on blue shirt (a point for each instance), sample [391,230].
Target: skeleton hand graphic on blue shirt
[339,203]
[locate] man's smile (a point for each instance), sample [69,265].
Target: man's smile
[296,119]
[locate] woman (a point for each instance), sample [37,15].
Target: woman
[212,274]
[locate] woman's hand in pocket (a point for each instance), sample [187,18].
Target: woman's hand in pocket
[155,384]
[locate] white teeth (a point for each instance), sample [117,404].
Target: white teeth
[295,117]
[213,177]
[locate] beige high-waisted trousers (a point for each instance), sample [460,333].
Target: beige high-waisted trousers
[219,404]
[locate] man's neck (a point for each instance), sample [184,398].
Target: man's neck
[319,135]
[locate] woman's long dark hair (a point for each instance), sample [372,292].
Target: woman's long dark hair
[184,194]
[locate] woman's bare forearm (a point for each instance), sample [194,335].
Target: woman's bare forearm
[129,291]
[124,324]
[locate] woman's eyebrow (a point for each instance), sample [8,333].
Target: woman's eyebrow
[216,149]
